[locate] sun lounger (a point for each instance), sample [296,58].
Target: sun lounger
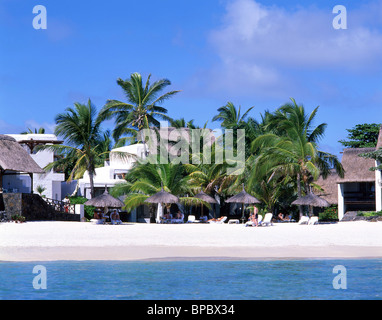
[191,219]
[220,220]
[267,220]
[252,224]
[97,221]
[117,221]
[313,220]
[178,220]
[303,220]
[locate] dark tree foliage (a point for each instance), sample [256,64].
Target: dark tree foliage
[362,136]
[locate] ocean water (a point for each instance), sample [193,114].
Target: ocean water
[191,280]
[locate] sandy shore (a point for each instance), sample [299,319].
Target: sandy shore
[45,241]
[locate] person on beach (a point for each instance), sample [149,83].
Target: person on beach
[97,214]
[254,217]
[66,202]
[179,215]
[281,217]
[114,217]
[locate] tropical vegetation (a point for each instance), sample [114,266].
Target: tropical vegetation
[282,157]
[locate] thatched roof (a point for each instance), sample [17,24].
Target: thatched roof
[14,158]
[205,197]
[356,167]
[379,143]
[162,197]
[311,200]
[330,187]
[105,200]
[243,197]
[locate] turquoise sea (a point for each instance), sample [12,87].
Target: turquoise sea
[191,280]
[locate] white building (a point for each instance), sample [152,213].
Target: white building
[51,180]
[114,171]
[360,189]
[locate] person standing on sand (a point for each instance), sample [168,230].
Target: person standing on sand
[254,217]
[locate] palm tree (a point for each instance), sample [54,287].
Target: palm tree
[80,127]
[40,130]
[142,108]
[231,117]
[144,180]
[181,123]
[293,151]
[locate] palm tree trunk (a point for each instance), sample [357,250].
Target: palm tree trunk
[91,179]
[299,193]
[76,188]
[144,142]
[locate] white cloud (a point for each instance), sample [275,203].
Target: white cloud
[264,45]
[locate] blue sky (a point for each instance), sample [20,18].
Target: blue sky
[252,53]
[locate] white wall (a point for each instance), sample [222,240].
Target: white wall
[378,190]
[341,201]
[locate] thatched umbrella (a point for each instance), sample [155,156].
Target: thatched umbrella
[205,197]
[105,201]
[14,158]
[311,200]
[243,198]
[162,197]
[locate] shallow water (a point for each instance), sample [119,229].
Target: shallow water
[183,280]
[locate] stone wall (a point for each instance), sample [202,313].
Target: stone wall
[32,207]
[353,216]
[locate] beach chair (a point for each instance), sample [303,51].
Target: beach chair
[117,221]
[191,219]
[267,220]
[313,220]
[252,224]
[97,221]
[303,220]
[178,220]
[220,220]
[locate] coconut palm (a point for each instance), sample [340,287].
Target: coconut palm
[80,127]
[231,117]
[144,180]
[40,130]
[181,123]
[142,108]
[293,151]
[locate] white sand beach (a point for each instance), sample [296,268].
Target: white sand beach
[46,241]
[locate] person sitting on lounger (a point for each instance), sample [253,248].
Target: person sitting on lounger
[167,216]
[97,214]
[179,215]
[114,217]
[218,219]
[281,217]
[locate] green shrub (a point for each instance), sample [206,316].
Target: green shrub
[18,218]
[89,210]
[329,214]
[369,213]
